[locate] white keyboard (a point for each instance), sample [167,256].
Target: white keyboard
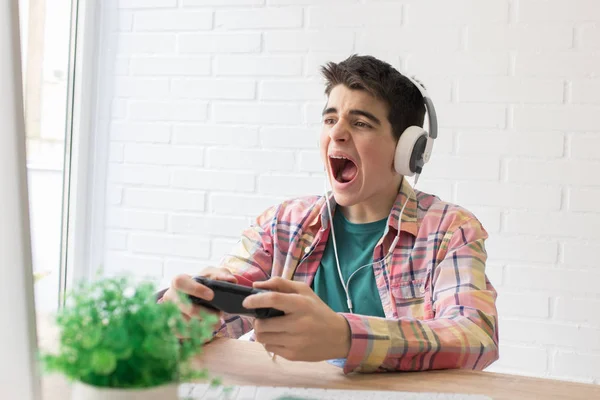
[205,392]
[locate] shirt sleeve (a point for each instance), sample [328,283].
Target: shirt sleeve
[463,332]
[250,260]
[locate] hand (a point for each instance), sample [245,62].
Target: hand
[186,284]
[309,330]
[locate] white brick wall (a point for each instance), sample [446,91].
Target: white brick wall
[214,111]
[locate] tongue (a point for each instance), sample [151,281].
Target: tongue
[348,172]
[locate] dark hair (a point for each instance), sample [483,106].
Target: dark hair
[381,80]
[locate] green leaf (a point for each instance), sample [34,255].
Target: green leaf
[103,362]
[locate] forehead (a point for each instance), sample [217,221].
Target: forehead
[344,99]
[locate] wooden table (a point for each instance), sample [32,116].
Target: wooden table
[246,363]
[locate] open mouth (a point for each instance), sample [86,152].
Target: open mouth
[343,169]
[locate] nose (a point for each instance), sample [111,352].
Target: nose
[339,132]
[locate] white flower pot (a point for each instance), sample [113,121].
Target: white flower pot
[82,391]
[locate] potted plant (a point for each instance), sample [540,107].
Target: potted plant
[116,342]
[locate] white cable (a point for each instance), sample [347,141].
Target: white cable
[346,285]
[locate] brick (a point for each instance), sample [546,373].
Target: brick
[510,90]
[458,11]
[495,273]
[512,143]
[569,118]
[457,168]
[116,240]
[314,61]
[288,137]
[240,205]
[217,89]
[258,65]
[191,3]
[129,219]
[510,195]
[116,152]
[262,18]
[471,115]
[558,11]
[170,66]
[580,253]
[550,333]
[220,247]
[554,224]
[307,2]
[253,113]
[141,87]
[145,43]
[120,66]
[180,20]
[576,365]
[170,245]
[444,38]
[114,194]
[523,305]
[118,263]
[147,3]
[125,23]
[165,111]
[305,41]
[489,217]
[163,154]
[584,200]
[585,146]
[590,37]
[530,37]
[554,280]
[140,132]
[310,161]
[313,113]
[138,174]
[258,160]
[524,359]
[176,200]
[289,185]
[355,15]
[521,249]
[470,64]
[577,310]
[215,135]
[118,109]
[557,65]
[291,90]
[568,172]
[213,180]
[585,91]
[439,88]
[219,42]
[208,225]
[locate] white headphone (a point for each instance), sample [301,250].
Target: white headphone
[415,145]
[413,151]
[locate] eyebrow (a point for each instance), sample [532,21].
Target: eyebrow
[365,114]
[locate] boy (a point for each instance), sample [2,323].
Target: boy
[382,292]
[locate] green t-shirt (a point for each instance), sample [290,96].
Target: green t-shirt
[355,245]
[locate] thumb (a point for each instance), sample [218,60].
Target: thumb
[279,284]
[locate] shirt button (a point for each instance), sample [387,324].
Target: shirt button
[422,289]
[306,250]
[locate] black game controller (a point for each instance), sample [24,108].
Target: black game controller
[229,297]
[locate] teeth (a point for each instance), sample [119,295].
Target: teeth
[339,157]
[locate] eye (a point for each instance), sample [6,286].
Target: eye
[361,124]
[329,121]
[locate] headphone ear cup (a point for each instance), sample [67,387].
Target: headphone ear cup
[412,141]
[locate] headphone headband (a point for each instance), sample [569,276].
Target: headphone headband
[431,114]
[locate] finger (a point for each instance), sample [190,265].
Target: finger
[279,284]
[185,283]
[286,302]
[281,351]
[285,324]
[225,276]
[274,339]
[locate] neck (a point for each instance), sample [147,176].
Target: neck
[375,208]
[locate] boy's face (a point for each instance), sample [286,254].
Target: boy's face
[357,147]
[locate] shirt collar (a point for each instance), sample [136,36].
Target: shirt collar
[409,216]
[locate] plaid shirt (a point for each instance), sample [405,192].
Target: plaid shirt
[439,305]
